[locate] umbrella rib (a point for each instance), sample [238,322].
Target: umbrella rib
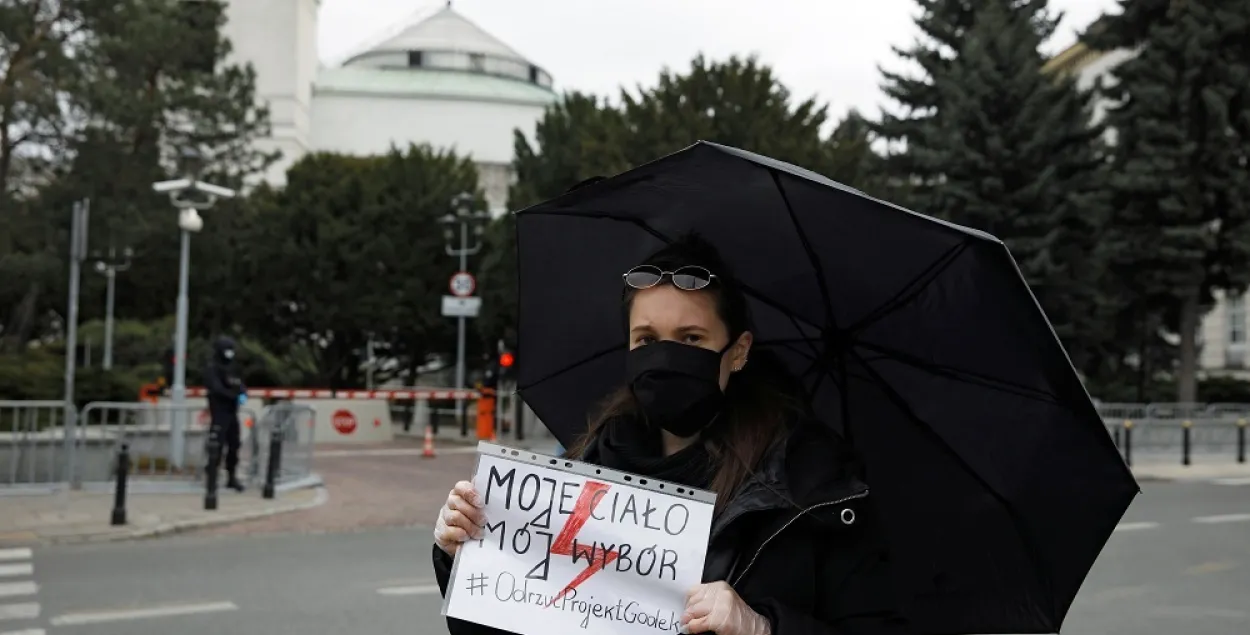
[965,376]
[912,289]
[807,247]
[582,362]
[1016,522]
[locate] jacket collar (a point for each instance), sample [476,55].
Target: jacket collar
[808,467]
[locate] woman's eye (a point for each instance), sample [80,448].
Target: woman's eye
[692,339]
[643,340]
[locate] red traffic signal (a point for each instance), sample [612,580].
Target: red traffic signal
[506,360]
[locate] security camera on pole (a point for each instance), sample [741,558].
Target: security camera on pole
[189,196]
[462,304]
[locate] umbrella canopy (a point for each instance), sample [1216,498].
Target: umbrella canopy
[994,476]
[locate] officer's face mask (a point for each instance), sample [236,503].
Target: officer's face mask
[677,385]
[228,354]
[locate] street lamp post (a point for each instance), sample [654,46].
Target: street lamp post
[189,196]
[464,219]
[109,268]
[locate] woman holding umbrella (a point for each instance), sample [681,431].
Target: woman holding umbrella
[795,546]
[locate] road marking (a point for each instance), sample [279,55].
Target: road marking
[14,570]
[1224,518]
[97,617]
[417,589]
[15,554]
[1210,567]
[1136,526]
[29,631]
[1197,612]
[1244,480]
[25,611]
[10,589]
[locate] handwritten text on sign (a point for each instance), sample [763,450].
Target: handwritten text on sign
[565,548]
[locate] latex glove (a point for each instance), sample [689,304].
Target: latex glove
[242,398]
[717,607]
[463,518]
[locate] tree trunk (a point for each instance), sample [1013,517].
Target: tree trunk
[1187,376]
[22,322]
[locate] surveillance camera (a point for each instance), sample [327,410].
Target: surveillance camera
[189,220]
[214,190]
[176,185]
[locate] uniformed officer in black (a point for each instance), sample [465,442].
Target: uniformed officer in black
[225,390]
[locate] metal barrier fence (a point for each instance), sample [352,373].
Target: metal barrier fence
[149,431]
[1185,433]
[49,444]
[33,450]
[289,428]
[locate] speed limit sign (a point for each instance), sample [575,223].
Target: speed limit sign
[463,284]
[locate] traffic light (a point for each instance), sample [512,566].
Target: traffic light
[507,366]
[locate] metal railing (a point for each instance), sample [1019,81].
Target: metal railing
[32,442]
[1185,433]
[289,428]
[49,444]
[148,430]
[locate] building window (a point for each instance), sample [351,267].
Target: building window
[533,74]
[477,62]
[414,59]
[1236,317]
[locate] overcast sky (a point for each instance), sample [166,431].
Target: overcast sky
[827,48]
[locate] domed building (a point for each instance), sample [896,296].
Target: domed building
[440,80]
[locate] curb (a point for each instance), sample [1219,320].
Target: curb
[167,529]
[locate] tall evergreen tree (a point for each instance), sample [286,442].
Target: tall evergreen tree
[944,25]
[1181,177]
[1011,151]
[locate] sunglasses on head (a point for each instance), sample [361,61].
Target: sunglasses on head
[687,278]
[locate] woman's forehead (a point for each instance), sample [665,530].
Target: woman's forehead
[667,307]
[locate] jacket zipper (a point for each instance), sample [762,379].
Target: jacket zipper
[791,522]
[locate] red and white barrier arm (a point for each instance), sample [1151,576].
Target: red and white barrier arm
[420,394]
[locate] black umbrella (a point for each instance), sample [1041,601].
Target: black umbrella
[994,476]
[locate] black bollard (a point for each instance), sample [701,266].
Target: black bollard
[1128,443]
[119,492]
[1241,441]
[275,461]
[213,469]
[1186,442]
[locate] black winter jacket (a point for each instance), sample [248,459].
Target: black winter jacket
[819,569]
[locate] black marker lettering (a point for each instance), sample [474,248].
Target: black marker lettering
[668,560]
[505,479]
[537,487]
[670,521]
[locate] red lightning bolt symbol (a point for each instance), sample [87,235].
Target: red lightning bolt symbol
[592,493]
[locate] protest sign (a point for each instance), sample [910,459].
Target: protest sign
[572,547]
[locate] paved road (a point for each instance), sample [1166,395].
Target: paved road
[1180,563]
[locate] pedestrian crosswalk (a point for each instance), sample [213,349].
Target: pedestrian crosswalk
[1234,482]
[19,608]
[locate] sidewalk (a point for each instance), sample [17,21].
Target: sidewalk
[1174,471]
[83,516]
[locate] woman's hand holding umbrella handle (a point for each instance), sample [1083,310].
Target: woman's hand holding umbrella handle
[716,607]
[463,518]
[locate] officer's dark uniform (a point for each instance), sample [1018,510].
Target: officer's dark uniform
[224,387]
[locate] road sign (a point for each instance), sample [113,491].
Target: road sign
[344,421]
[463,284]
[461,307]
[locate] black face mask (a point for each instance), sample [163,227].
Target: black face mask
[677,385]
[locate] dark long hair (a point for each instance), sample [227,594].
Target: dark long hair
[761,399]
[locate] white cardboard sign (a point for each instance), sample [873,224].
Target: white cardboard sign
[571,547]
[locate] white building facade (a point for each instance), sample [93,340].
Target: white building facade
[441,80]
[1222,334]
